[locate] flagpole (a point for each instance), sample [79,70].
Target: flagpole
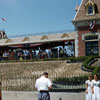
[0,24]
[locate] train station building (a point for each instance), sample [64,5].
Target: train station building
[85,40]
[87,24]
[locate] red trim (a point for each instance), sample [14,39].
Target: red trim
[69,40]
[21,45]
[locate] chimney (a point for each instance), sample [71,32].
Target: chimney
[77,7]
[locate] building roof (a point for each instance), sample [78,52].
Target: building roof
[81,13]
[38,39]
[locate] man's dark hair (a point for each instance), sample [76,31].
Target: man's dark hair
[45,73]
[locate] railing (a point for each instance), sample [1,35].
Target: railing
[28,84]
[35,57]
[0,92]
[42,33]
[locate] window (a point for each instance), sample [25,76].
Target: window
[90,9]
[92,48]
[91,37]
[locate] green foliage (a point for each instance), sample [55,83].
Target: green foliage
[75,59]
[86,60]
[95,69]
[71,79]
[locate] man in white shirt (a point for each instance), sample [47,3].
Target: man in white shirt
[43,85]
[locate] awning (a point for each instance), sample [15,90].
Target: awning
[26,45]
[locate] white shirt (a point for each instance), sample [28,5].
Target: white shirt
[96,85]
[5,54]
[89,83]
[43,83]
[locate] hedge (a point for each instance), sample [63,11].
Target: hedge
[75,59]
[86,60]
[96,69]
[71,80]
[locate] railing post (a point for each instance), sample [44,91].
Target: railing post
[0,92]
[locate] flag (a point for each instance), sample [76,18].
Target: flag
[92,24]
[3,19]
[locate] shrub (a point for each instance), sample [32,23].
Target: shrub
[95,69]
[71,80]
[81,58]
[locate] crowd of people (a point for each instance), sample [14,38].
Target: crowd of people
[93,88]
[21,54]
[24,54]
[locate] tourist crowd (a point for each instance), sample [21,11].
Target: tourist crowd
[32,54]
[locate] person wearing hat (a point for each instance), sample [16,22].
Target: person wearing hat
[43,85]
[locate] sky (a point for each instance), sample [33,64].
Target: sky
[25,17]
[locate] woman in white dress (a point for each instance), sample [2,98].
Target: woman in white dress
[96,88]
[89,88]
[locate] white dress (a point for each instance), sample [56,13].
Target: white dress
[89,89]
[96,85]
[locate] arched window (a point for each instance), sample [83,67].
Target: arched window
[90,9]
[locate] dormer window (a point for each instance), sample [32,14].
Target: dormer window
[90,8]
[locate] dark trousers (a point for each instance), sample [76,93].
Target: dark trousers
[43,96]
